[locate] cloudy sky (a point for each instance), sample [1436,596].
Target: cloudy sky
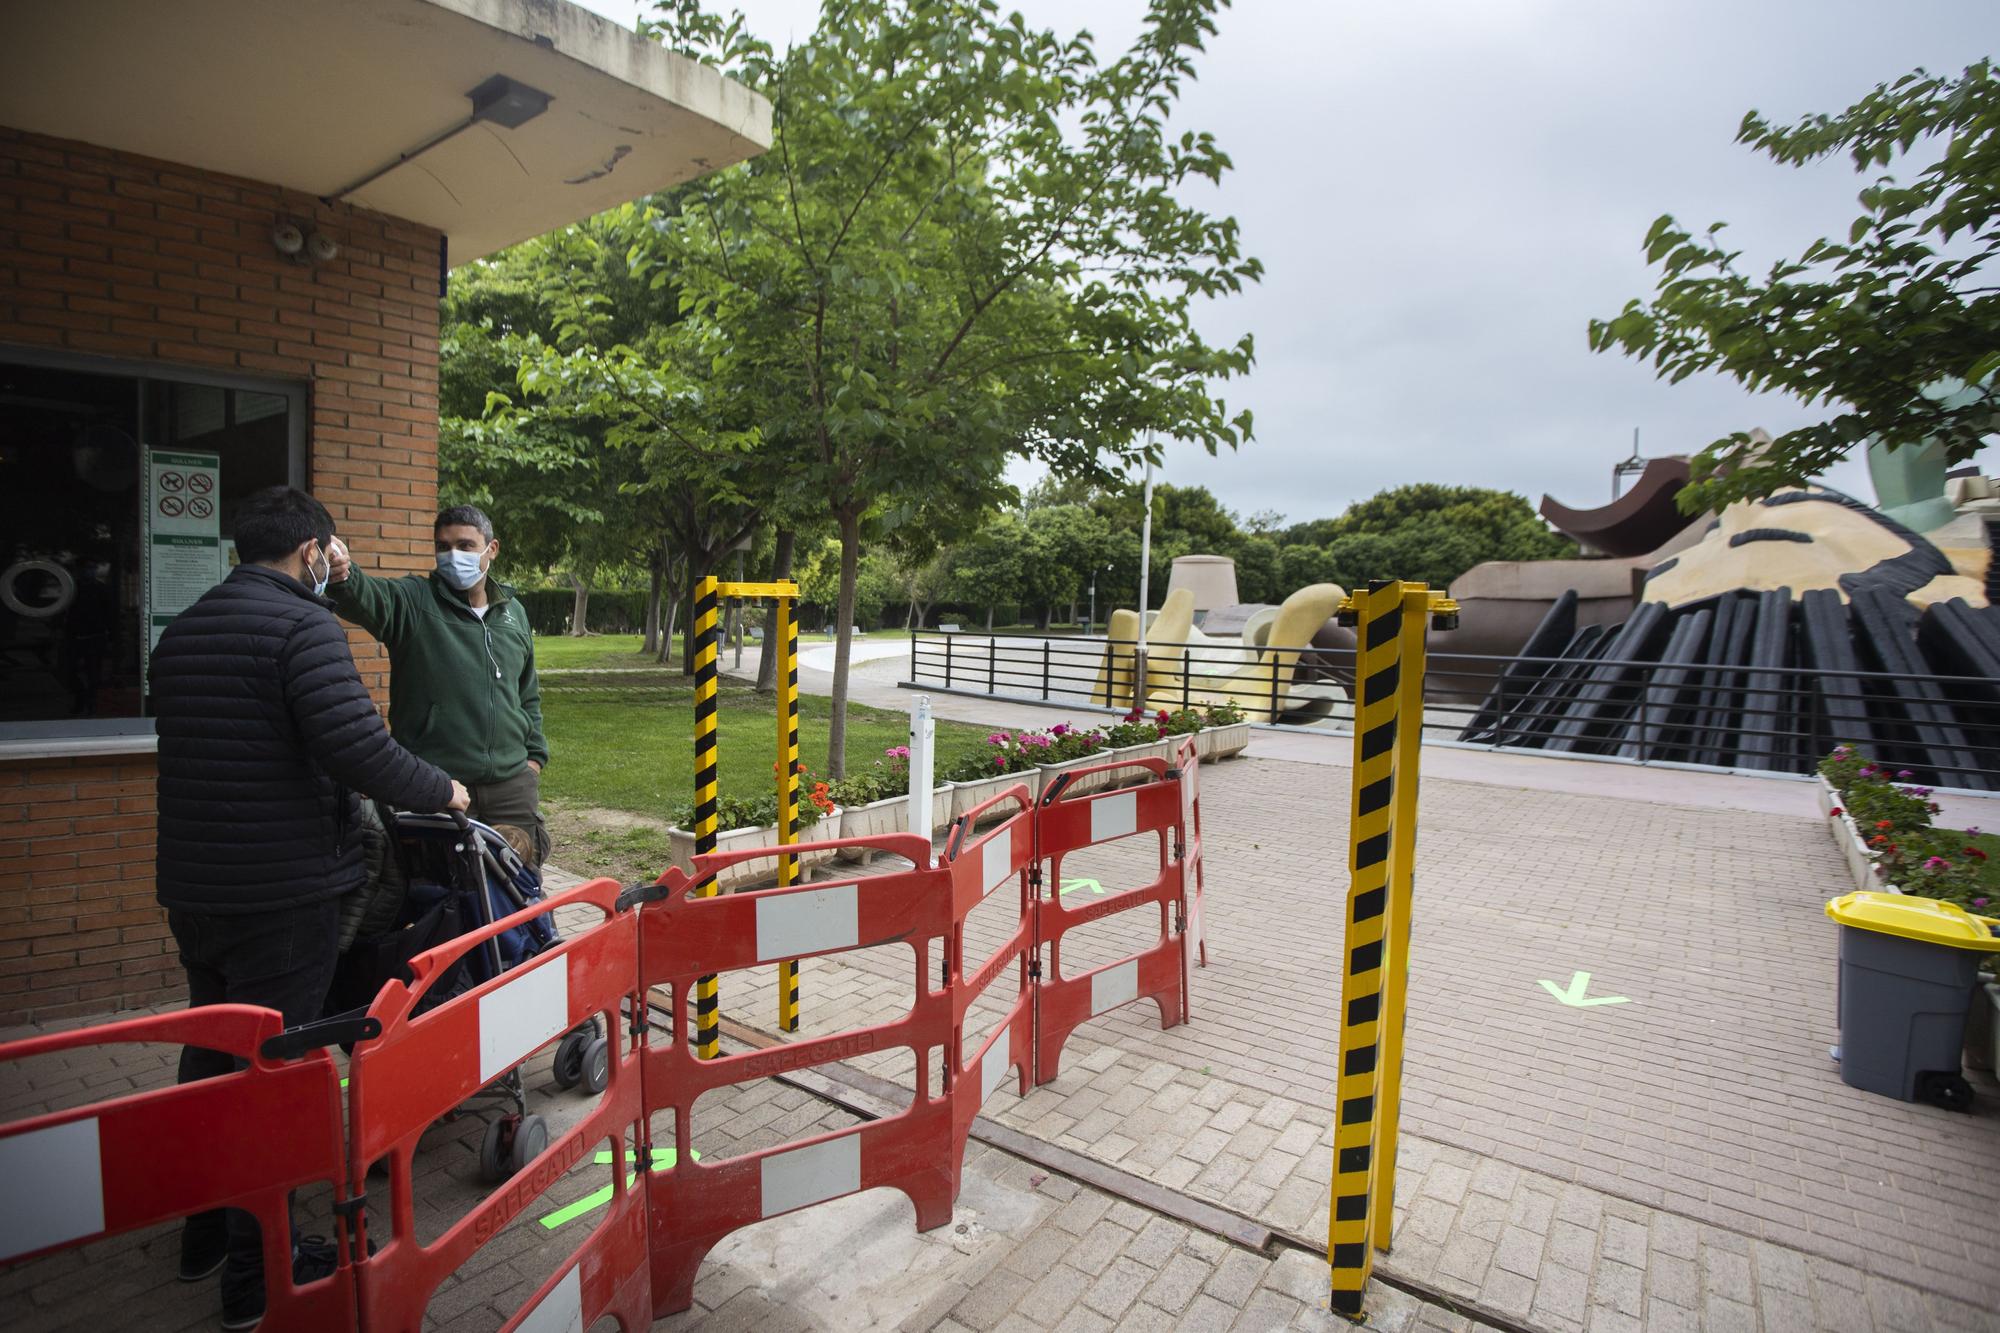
[1445,192]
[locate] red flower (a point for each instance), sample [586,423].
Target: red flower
[1837,812]
[1976,853]
[1885,823]
[1878,840]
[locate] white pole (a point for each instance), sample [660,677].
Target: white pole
[923,766]
[1145,591]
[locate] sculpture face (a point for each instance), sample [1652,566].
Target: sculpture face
[1800,540]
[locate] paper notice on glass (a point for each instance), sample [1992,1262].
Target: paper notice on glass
[183,519]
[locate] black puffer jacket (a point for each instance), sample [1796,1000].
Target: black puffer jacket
[266,734]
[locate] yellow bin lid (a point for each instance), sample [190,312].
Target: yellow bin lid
[1928,919]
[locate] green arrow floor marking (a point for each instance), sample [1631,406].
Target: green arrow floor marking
[1072,885]
[662,1159]
[1574,997]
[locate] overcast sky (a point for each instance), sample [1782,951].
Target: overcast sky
[1445,192]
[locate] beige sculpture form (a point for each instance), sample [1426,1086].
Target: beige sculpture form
[1185,666]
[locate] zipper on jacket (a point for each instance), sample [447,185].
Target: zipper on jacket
[492,713]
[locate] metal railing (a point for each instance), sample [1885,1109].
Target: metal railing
[1943,729]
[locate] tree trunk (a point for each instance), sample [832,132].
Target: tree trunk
[843,643]
[680,587]
[579,615]
[1072,610]
[655,577]
[767,661]
[989,620]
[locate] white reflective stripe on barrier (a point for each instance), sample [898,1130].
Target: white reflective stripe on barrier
[996,858]
[55,1187]
[1114,986]
[808,921]
[993,1065]
[561,1311]
[521,1015]
[1114,816]
[812,1174]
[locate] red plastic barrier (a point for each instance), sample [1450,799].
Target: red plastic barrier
[281,1119]
[1066,824]
[243,1140]
[1188,764]
[681,938]
[424,1065]
[998,862]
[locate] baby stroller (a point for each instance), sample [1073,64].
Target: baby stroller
[434,878]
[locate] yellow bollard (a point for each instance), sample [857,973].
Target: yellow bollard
[788,793]
[1390,620]
[707,1009]
[1378,642]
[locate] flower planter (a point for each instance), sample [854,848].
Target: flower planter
[1213,743]
[1083,785]
[752,873]
[888,815]
[966,796]
[1982,1028]
[1853,847]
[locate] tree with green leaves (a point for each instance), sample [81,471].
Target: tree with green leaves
[968,243]
[1895,330]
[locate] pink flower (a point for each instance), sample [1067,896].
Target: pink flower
[1972,832]
[1937,863]
[1979,902]
[1059,729]
[1904,775]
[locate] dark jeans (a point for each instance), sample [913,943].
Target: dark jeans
[517,801]
[281,960]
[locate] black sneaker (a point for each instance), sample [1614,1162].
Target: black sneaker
[313,1258]
[204,1245]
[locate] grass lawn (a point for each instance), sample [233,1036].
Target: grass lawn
[628,744]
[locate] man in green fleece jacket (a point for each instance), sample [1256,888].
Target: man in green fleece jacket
[462,686]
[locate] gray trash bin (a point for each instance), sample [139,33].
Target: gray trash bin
[1908,969]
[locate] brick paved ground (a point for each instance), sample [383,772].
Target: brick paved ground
[1688,1159]
[1684,1159]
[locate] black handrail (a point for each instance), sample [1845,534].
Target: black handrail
[1721,715]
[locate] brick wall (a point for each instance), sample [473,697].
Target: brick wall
[109,254]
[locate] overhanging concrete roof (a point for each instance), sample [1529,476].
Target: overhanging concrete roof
[318,94]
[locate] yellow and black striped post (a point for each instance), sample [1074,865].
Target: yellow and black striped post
[1390,621]
[707,1008]
[788,792]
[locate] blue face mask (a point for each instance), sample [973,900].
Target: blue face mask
[461,569]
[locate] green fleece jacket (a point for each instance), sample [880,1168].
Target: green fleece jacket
[462,690]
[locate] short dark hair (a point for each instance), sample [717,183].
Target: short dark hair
[464,516]
[274,522]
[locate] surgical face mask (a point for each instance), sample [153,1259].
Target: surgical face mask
[461,569]
[320,580]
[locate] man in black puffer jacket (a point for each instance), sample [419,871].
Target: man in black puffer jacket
[266,736]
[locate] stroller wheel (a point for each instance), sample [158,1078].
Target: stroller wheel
[569,1062]
[596,1065]
[531,1137]
[495,1149]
